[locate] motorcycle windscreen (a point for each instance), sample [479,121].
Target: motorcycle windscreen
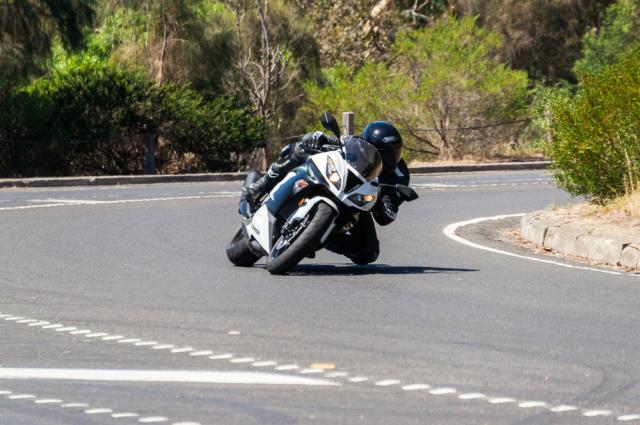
[363,157]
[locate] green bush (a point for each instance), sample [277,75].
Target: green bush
[90,117]
[443,78]
[595,144]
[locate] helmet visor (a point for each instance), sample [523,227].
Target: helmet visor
[363,157]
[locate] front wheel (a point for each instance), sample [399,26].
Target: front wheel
[300,239]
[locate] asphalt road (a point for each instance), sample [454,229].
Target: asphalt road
[123,298]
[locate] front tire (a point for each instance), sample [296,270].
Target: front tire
[238,250]
[305,243]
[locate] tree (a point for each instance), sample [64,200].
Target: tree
[543,37]
[27,28]
[620,31]
[445,79]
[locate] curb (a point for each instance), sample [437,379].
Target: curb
[579,243]
[217,177]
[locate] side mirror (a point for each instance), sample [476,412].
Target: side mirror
[407,193]
[329,122]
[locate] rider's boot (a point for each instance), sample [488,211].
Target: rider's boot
[254,192]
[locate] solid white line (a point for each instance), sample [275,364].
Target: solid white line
[450,232]
[166,376]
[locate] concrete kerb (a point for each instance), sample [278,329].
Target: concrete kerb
[579,243]
[211,177]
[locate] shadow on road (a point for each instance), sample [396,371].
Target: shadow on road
[354,270]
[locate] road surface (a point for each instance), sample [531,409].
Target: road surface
[119,306]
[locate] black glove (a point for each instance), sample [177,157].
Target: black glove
[313,141]
[386,209]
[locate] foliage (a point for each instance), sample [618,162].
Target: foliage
[596,134]
[620,30]
[88,116]
[27,28]
[543,37]
[445,79]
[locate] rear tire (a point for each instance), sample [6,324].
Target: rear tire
[238,250]
[306,243]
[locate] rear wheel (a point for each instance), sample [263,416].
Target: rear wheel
[238,250]
[300,239]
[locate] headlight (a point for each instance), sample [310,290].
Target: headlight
[361,200]
[332,173]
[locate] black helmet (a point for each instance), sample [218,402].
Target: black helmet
[386,138]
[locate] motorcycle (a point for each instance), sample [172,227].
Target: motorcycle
[312,204]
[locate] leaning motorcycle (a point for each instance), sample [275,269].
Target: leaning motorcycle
[315,202]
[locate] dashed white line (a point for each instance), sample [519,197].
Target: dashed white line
[501,400]
[98,411]
[594,413]
[563,408]
[442,391]
[387,382]
[414,387]
[625,418]
[267,363]
[472,396]
[201,353]
[223,356]
[358,379]
[530,404]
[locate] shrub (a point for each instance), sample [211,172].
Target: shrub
[90,117]
[595,144]
[444,78]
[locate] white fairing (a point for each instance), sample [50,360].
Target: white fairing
[368,188]
[261,225]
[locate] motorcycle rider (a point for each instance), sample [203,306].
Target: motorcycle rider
[361,243]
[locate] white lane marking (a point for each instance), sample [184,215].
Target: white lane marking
[387,382]
[145,343]
[268,363]
[201,353]
[186,423]
[96,335]
[501,400]
[26,321]
[66,329]
[450,232]
[182,350]
[74,203]
[563,408]
[81,332]
[594,413]
[48,401]
[39,323]
[54,326]
[13,318]
[625,418]
[529,404]
[153,419]
[310,371]
[166,376]
[442,391]
[414,387]
[21,397]
[112,337]
[358,379]
[242,360]
[75,405]
[472,396]
[221,356]
[128,340]
[162,346]
[287,367]
[5,392]
[233,332]
[98,411]
[125,415]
